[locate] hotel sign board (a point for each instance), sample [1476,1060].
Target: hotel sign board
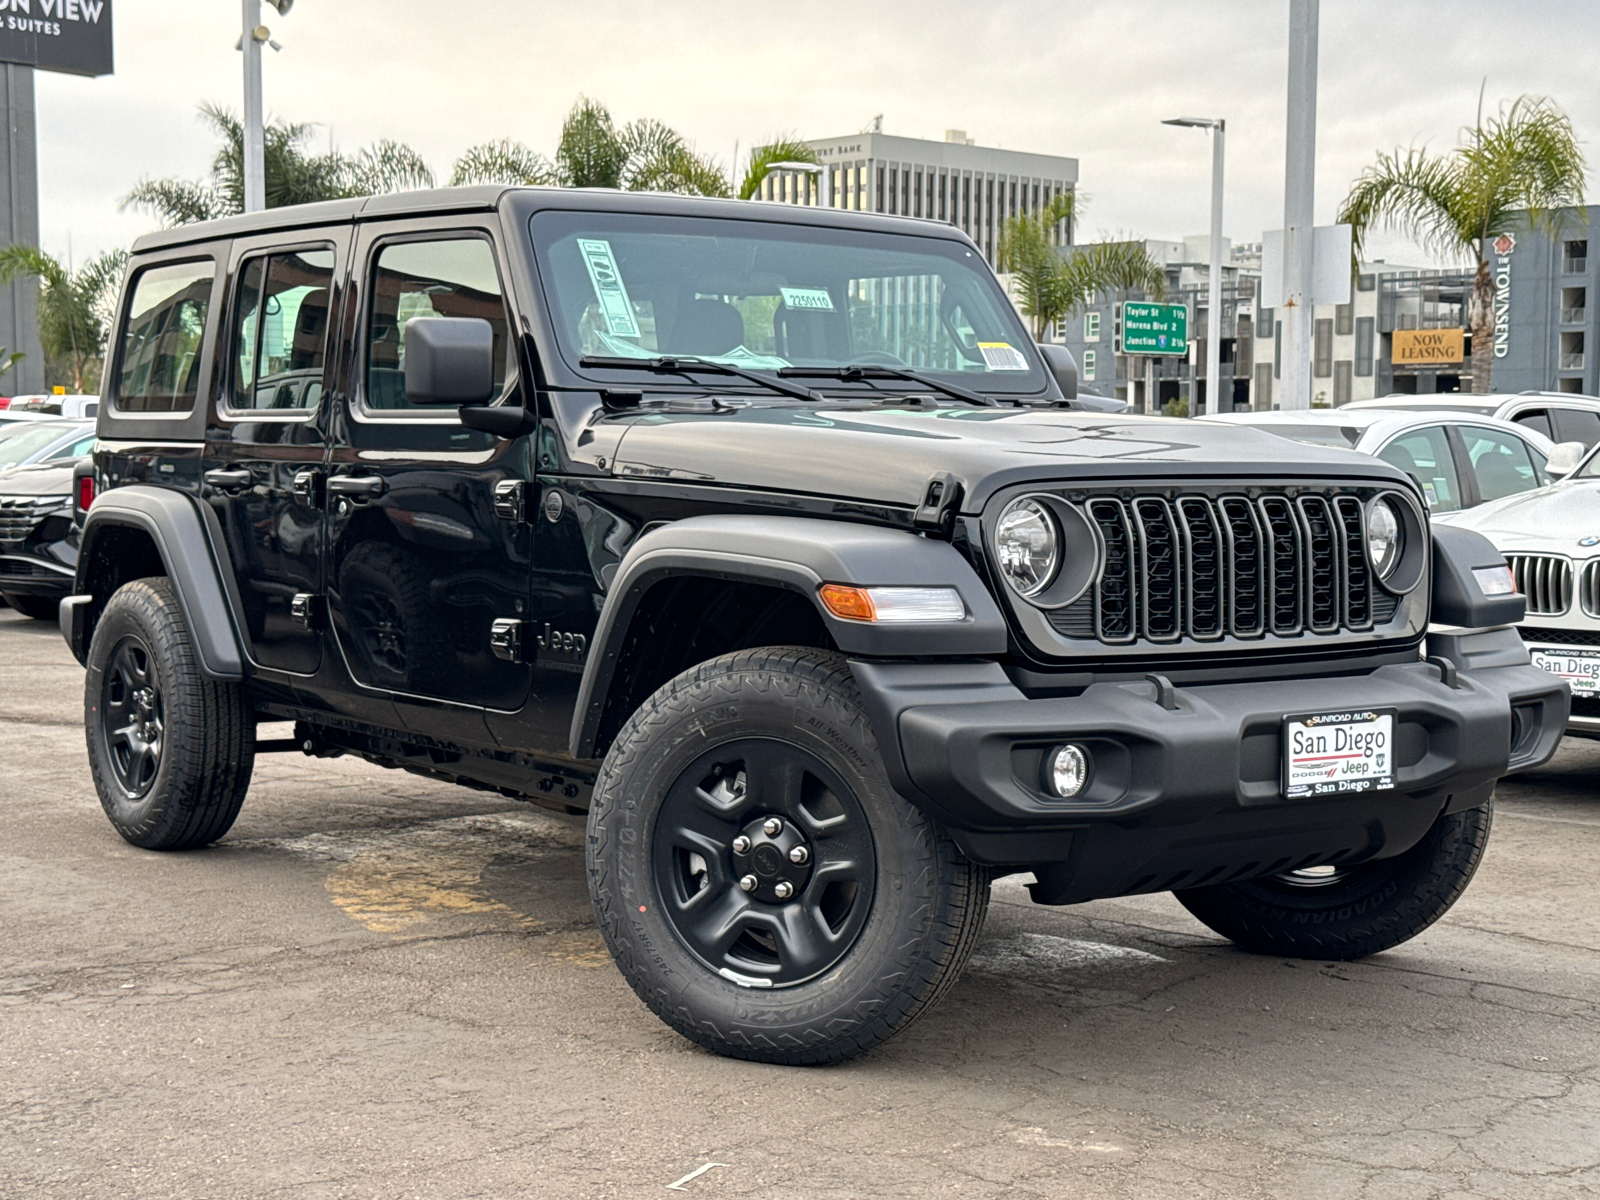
[1153,328]
[73,36]
[1426,347]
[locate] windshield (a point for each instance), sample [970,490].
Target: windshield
[1590,468]
[1342,436]
[763,295]
[19,442]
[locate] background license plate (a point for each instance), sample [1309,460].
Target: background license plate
[1327,753]
[1579,667]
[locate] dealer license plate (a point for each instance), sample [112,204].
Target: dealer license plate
[1579,666]
[1328,753]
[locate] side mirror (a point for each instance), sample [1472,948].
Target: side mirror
[1564,459]
[449,360]
[1059,362]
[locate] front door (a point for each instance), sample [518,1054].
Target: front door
[422,561]
[267,440]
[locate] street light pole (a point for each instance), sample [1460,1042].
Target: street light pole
[1300,164]
[1218,128]
[255,174]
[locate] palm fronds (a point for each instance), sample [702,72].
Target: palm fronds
[506,162]
[781,149]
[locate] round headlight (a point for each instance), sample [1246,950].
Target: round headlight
[1384,538]
[1028,547]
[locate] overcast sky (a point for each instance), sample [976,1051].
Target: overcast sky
[1090,79]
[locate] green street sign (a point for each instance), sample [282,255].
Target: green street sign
[1154,328]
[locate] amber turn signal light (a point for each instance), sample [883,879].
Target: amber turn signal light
[848,603]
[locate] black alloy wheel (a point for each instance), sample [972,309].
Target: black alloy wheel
[132,716]
[765,862]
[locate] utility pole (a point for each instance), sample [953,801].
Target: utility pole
[1298,206]
[255,171]
[1219,129]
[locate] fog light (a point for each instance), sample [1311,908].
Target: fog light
[1066,771]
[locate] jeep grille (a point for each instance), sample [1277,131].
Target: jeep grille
[1206,567]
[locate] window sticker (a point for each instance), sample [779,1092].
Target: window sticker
[1002,356]
[615,307]
[815,299]
[1431,494]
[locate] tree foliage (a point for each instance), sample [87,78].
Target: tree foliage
[1521,166]
[74,306]
[762,158]
[1053,280]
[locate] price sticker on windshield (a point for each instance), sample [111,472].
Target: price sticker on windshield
[1328,753]
[1002,356]
[814,299]
[609,290]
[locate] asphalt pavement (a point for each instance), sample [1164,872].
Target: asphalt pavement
[381,986]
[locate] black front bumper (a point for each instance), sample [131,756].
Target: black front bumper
[1191,794]
[28,574]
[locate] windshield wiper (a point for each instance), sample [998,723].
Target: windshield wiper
[675,365]
[864,372]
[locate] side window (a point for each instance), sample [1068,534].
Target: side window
[1500,462]
[77,449]
[1537,420]
[1577,425]
[280,337]
[1425,455]
[446,278]
[159,362]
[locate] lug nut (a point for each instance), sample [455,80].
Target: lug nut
[741,844]
[749,883]
[772,827]
[784,890]
[799,854]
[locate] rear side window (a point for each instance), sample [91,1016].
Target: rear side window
[280,340]
[1577,425]
[1537,420]
[446,278]
[159,363]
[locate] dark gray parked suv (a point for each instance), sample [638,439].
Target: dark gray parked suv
[764,535]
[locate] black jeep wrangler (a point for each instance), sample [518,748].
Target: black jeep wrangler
[765,536]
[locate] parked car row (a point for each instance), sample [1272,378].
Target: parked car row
[38,542]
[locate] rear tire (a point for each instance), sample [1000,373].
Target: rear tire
[1350,912]
[40,608]
[771,748]
[171,751]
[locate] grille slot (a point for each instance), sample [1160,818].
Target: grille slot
[1560,637]
[1590,591]
[1206,567]
[1545,580]
[20,515]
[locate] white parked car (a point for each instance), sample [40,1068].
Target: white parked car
[1559,416]
[1461,459]
[71,408]
[1551,538]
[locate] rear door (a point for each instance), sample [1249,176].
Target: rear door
[422,560]
[267,439]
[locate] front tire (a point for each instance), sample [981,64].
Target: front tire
[757,880]
[171,751]
[1339,913]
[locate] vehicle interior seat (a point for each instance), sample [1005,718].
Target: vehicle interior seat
[1498,476]
[706,327]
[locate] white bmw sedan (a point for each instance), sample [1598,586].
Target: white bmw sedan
[1551,538]
[1461,459]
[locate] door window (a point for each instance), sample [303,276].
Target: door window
[1501,462]
[1577,425]
[1425,456]
[280,338]
[159,366]
[1537,420]
[445,278]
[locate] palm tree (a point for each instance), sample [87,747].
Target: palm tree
[1052,281]
[293,175]
[74,306]
[762,159]
[1518,168]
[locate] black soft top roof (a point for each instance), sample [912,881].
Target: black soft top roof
[528,200]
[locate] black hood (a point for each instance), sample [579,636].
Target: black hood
[887,455]
[43,479]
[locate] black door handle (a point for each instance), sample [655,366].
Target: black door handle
[232,479]
[359,486]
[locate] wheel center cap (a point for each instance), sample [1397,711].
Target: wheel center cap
[772,853]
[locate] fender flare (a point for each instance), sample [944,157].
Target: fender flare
[178,528]
[800,554]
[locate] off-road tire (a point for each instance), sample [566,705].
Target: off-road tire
[40,608]
[928,903]
[1373,907]
[207,747]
